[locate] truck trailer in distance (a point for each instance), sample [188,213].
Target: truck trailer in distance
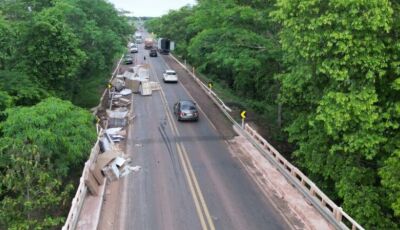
[148,43]
[138,37]
[164,45]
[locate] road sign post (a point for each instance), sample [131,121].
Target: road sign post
[210,86]
[109,86]
[243,115]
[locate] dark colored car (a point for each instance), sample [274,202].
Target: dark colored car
[128,59]
[153,53]
[186,110]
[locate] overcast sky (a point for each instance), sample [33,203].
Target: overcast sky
[152,8]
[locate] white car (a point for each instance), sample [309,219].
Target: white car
[170,76]
[134,49]
[131,44]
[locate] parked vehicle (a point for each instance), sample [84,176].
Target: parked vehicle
[153,53]
[148,43]
[170,76]
[186,110]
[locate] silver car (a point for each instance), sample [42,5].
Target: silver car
[186,110]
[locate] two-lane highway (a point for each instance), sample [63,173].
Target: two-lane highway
[189,179]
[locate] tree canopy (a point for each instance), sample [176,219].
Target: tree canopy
[39,148]
[51,52]
[62,46]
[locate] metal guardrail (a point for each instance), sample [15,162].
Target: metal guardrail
[77,201]
[333,213]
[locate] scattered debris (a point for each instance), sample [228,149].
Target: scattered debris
[117,117]
[135,169]
[155,85]
[129,169]
[114,130]
[118,84]
[119,76]
[118,168]
[110,162]
[125,92]
[119,161]
[145,88]
[138,72]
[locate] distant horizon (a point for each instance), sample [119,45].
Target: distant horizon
[150,8]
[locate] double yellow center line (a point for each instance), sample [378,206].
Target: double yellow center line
[201,206]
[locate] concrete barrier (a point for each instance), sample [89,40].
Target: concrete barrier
[81,193]
[333,213]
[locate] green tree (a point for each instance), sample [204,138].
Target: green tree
[337,63]
[62,132]
[174,25]
[40,147]
[7,41]
[21,88]
[65,47]
[103,39]
[55,56]
[31,196]
[5,102]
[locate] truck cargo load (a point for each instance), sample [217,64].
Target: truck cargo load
[148,43]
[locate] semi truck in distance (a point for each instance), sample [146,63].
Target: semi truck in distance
[148,43]
[165,45]
[138,37]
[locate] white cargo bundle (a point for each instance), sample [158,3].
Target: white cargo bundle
[145,88]
[143,74]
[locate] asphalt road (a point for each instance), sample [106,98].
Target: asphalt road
[188,178]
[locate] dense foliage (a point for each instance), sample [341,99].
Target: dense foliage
[40,146]
[334,68]
[51,52]
[62,46]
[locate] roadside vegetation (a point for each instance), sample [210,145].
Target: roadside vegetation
[324,73]
[55,59]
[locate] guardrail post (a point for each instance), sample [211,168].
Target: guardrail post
[338,214]
[312,190]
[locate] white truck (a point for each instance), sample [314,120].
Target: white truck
[170,76]
[138,37]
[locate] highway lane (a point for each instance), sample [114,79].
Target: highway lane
[189,179]
[157,197]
